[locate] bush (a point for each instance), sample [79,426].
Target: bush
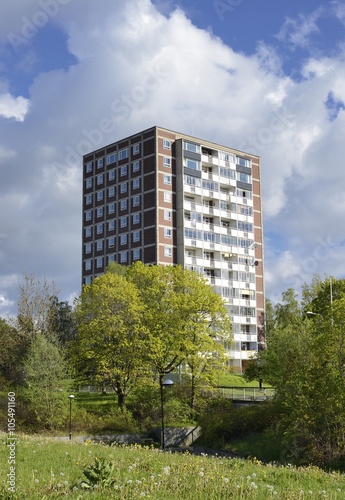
[222,421]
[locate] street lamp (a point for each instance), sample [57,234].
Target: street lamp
[71,397]
[311,313]
[164,383]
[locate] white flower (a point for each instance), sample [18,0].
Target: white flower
[166,470]
[226,480]
[201,474]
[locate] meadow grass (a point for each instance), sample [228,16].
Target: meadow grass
[47,468]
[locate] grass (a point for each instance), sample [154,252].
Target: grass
[47,468]
[236,380]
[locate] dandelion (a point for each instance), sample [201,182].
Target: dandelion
[62,474]
[66,453]
[166,470]
[201,474]
[36,481]
[253,475]
[129,481]
[253,485]
[226,480]
[339,490]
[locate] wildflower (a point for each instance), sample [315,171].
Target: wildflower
[66,452]
[253,475]
[166,470]
[142,494]
[62,474]
[36,481]
[253,485]
[339,490]
[226,480]
[129,481]
[201,474]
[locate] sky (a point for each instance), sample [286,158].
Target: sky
[263,76]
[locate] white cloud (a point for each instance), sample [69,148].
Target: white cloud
[13,107]
[297,32]
[138,68]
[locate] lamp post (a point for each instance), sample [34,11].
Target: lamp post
[71,397]
[311,313]
[163,383]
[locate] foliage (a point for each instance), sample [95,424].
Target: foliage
[112,342]
[222,420]
[185,320]
[13,346]
[98,474]
[48,469]
[305,362]
[44,370]
[35,314]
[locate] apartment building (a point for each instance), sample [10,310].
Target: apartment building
[164,197]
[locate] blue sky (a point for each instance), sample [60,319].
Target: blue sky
[259,75]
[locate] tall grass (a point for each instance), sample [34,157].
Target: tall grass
[47,468]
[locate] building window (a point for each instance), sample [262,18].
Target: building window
[99,179]
[88,215]
[111,208]
[136,236]
[136,254]
[136,183]
[111,191]
[167,197]
[123,187]
[136,201]
[88,167]
[111,242]
[167,233]
[111,175]
[123,170]
[88,183]
[88,280]
[100,212]
[123,204]
[123,221]
[88,248]
[88,199]
[111,158]
[136,218]
[111,225]
[167,214]
[136,166]
[167,251]
[99,195]
[167,179]
[190,146]
[99,228]
[124,153]
[88,232]
[123,257]
[111,258]
[166,162]
[99,245]
[88,265]
[123,239]
[100,163]
[166,144]
[99,262]
[192,164]
[136,149]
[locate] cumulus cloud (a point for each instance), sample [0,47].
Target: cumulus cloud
[296,33]
[13,107]
[137,67]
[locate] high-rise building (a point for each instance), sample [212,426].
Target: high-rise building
[163,197]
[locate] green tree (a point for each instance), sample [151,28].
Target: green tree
[13,346]
[305,362]
[185,319]
[112,343]
[44,370]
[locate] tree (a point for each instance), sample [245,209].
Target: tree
[13,346]
[186,320]
[44,370]
[35,312]
[305,362]
[112,343]
[62,321]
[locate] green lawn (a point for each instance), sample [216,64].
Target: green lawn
[46,468]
